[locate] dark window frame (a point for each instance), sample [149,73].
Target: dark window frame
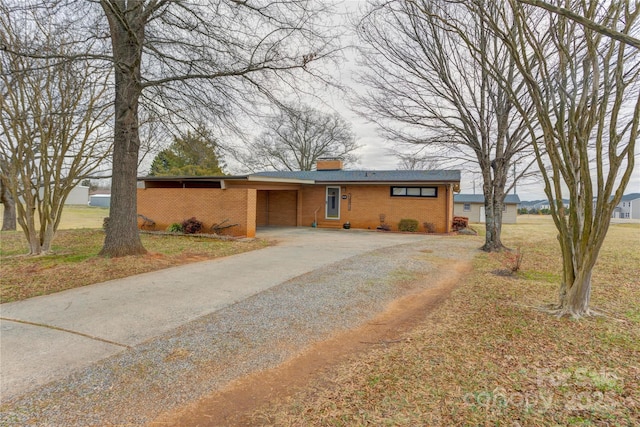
[417,196]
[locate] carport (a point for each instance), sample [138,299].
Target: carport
[277,208]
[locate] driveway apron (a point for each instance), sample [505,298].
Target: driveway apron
[49,337]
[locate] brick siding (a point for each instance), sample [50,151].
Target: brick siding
[277,208]
[210,205]
[369,201]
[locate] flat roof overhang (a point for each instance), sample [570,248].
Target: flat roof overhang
[193,178]
[269,179]
[255,178]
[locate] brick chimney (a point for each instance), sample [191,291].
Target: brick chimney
[329,164]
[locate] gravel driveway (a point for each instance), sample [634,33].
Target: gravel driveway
[164,373]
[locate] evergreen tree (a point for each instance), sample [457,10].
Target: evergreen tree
[193,154]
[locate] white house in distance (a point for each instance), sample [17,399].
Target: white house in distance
[472,207]
[628,208]
[78,196]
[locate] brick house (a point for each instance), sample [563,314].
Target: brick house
[328,197]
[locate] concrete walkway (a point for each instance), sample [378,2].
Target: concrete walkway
[47,338]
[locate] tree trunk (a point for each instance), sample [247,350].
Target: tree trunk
[127,33]
[9,214]
[575,290]
[493,202]
[493,226]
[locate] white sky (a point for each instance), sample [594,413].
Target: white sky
[374,151]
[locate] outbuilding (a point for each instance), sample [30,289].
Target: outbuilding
[472,207]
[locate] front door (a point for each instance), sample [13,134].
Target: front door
[333,203]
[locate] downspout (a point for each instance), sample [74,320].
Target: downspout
[448,227]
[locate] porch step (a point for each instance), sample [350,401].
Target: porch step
[329,224]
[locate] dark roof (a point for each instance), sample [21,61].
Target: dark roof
[367,176]
[479,198]
[629,197]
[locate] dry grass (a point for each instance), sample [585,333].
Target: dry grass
[75,262]
[488,357]
[76,216]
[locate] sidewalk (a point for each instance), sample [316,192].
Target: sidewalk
[47,338]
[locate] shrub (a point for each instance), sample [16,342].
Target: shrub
[514,260]
[191,225]
[429,227]
[460,222]
[175,228]
[408,225]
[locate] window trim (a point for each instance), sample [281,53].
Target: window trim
[466,207]
[417,196]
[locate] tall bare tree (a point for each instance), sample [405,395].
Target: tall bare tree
[53,127]
[9,206]
[208,54]
[586,90]
[429,66]
[597,27]
[211,58]
[297,136]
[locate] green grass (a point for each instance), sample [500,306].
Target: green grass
[489,357]
[76,216]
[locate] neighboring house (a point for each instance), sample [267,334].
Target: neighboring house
[328,197]
[100,200]
[628,208]
[78,196]
[539,205]
[472,207]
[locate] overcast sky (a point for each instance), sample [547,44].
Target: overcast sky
[374,152]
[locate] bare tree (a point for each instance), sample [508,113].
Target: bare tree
[416,160]
[214,54]
[583,20]
[53,131]
[430,66]
[586,90]
[9,211]
[297,137]
[212,58]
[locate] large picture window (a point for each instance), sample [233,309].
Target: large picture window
[414,191]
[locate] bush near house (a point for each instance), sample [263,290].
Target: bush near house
[191,225]
[429,227]
[175,228]
[408,225]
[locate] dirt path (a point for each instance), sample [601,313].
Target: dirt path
[233,405]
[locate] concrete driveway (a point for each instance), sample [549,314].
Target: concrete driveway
[49,337]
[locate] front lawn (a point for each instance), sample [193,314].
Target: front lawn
[75,263]
[489,357]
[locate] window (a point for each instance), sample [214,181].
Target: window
[414,192]
[467,207]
